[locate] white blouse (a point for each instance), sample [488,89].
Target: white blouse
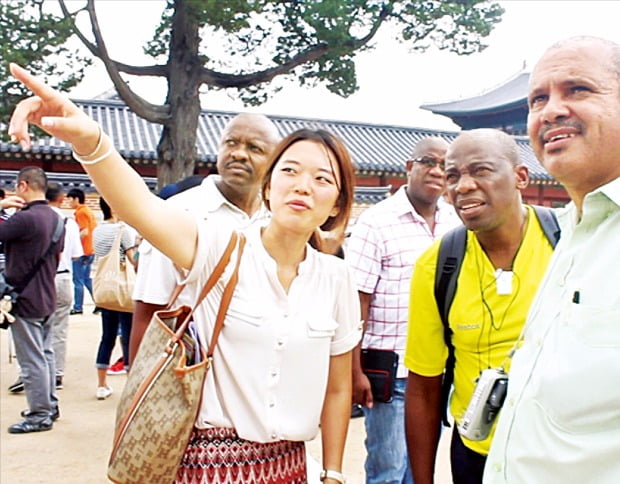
[271,364]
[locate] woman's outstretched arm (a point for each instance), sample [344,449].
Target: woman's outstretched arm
[173,231]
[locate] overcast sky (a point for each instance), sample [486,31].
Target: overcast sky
[393,81]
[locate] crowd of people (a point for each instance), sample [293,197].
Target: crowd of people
[501,314]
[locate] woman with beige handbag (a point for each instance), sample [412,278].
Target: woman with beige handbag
[114,247]
[282,366]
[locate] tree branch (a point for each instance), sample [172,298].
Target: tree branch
[151,112]
[221,80]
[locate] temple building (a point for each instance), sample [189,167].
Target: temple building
[503,107]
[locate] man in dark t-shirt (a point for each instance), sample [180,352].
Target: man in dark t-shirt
[27,235]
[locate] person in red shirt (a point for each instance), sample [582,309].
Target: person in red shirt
[81,266]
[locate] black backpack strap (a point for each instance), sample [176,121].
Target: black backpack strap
[56,235]
[549,223]
[449,261]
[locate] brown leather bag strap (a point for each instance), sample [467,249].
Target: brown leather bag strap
[213,278]
[225,302]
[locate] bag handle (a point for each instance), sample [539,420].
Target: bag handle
[213,278]
[226,296]
[115,250]
[225,302]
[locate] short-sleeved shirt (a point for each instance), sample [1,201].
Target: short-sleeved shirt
[73,246]
[104,236]
[86,220]
[382,251]
[485,324]
[561,418]
[271,364]
[156,277]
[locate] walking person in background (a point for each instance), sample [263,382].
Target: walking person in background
[112,321]
[33,246]
[294,316]
[82,266]
[63,281]
[382,251]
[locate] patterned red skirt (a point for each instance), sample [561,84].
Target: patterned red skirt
[219,456]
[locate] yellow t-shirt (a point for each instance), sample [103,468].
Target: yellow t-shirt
[485,324]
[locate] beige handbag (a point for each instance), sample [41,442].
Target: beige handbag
[161,398]
[114,279]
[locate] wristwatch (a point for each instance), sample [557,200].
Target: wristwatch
[335,475]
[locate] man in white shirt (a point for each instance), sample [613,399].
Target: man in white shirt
[233,196]
[561,418]
[63,281]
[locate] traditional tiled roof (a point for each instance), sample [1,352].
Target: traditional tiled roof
[376,149]
[509,94]
[65,180]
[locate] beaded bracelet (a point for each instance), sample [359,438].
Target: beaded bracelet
[84,159]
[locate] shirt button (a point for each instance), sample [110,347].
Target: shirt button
[274,372]
[280,342]
[274,436]
[511,402]
[497,468]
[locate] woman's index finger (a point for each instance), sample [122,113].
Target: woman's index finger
[37,86]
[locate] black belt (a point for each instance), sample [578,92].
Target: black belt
[66,271]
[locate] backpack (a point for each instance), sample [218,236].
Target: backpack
[449,260]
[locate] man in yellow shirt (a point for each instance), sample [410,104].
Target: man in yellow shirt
[505,257]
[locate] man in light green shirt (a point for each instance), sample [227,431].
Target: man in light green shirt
[561,418]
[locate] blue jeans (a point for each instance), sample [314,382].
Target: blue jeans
[110,322]
[81,278]
[387,461]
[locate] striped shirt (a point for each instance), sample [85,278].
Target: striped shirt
[382,250]
[104,234]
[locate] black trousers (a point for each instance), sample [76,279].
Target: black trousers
[467,465]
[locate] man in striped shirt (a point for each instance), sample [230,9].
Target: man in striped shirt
[384,245]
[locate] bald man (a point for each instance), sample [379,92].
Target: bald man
[506,253]
[382,251]
[561,420]
[233,196]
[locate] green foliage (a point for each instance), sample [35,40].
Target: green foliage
[242,37]
[34,40]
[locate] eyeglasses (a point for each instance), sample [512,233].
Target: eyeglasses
[430,162]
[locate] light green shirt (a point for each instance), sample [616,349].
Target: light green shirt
[561,417]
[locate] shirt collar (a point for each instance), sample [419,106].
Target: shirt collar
[404,205]
[568,216]
[33,203]
[217,200]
